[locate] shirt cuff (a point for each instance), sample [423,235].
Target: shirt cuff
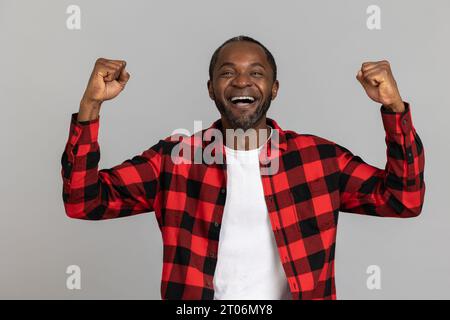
[83,132]
[397,122]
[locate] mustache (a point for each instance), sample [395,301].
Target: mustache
[245,122]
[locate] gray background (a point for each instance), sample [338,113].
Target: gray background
[318,45]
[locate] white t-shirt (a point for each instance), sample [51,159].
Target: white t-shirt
[248,262]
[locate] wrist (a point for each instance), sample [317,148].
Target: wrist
[397,106]
[89,110]
[90,104]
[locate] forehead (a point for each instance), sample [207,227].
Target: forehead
[242,52]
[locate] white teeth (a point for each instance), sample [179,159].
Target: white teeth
[242,97]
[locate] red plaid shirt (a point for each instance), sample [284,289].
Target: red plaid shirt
[315,180]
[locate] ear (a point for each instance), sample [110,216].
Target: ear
[275,87]
[210,90]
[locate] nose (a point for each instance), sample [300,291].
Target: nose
[241,80]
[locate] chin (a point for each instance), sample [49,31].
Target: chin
[246,121]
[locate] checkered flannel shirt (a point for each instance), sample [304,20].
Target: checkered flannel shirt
[315,180]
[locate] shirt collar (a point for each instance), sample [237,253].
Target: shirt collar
[281,144]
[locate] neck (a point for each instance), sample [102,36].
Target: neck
[251,138]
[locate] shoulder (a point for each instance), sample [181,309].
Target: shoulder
[304,140]
[307,142]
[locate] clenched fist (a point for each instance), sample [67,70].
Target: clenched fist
[380,85]
[107,80]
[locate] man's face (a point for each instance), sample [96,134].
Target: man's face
[242,86]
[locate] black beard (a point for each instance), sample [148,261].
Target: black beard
[246,122]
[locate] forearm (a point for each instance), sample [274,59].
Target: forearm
[404,176]
[79,168]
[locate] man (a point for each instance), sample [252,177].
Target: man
[229,231]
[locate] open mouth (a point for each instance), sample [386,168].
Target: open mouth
[243,101]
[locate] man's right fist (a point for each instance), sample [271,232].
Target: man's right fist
[107,80]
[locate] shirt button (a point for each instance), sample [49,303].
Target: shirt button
[75,132]
[404,121]
[216,224]
[222,190]
[212,254]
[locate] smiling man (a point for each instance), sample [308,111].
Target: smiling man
[229,231]
[243,83]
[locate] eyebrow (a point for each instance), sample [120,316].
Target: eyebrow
[232,64]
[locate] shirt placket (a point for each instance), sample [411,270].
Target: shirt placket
[279,233]
[217,222]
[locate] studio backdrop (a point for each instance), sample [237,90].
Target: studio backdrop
[48,50]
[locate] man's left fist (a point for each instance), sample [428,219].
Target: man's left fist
[380,85]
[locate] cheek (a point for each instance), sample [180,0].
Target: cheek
[265,90]
[219,89]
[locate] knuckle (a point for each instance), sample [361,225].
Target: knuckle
[365,66]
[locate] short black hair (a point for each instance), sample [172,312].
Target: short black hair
[269,55]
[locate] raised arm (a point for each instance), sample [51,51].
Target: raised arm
[399,189]
[126,189]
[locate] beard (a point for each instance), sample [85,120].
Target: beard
[244,121]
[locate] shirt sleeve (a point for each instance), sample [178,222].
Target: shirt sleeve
[88,193]
[396,191]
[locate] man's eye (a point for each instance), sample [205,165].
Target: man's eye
[227,73]
[256,73]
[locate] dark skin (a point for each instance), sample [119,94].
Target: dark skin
[242,69]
